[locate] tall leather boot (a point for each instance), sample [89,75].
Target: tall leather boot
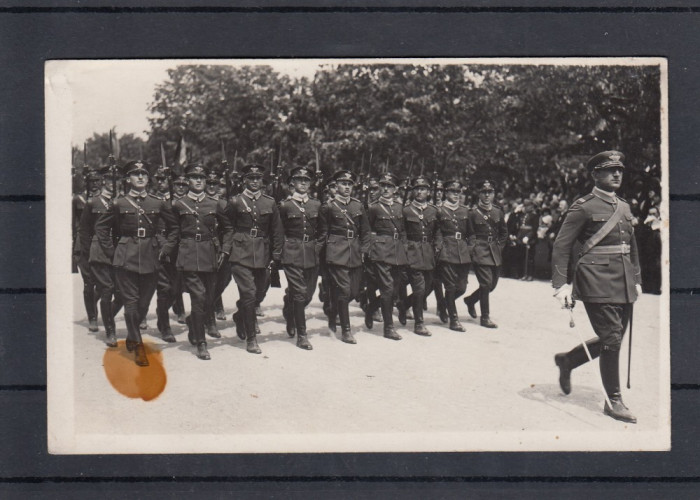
[344,316]
[332,313]
[370,310]
[610,373]
[210,325]
[441,304]
[300,322]
[117,305]
[108,320]
[166,332]
[198,321]
[90,307]
[219,308]
[471,301]
[288,315]
[573,359]
[249,319]
[140,355]
[484,303]
[387,312]
[418,325]
[452,311]
[133,337]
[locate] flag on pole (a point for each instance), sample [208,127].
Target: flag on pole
[114,146]
[182,157]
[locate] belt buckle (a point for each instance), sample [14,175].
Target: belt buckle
[396,236]
[305,239]
[625,248]
[350,234]
[197,237]
[458,235]
[425,239]
[489,239]
[141,232]
[254,232]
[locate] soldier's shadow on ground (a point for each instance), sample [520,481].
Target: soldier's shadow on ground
[588,398]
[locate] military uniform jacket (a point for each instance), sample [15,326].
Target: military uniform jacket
[90,248]
[343,232]
[256,228]
[79,203]
[455,229]
[300,223]
[600,276]
[528,227]
[422,235]
[490,235]
[194,233]
[388,240]
[135,229]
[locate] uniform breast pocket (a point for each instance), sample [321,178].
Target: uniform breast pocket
[600,217]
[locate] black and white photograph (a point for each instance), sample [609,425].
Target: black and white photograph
[357,255]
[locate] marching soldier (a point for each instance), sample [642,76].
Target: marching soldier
[487,242]
[100,265]
[437,199]
[258,235]
[180,187]
[299,254]
[420,219]
[344,236]
[93,179]
[454,255]
[133,220]
[387,253]
[606,277]
[195,217]
[223,274]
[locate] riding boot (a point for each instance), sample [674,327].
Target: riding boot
[300,322]
[387,311]
[288,315]
[108,320]
[452,312]
[418,325]
[249,320]
[344,316]
[133,337]
[610,373]
[166,332]
[140,355]
[471,301]
[484,303]
[332,312]
[441,303]
[219,308]
[210,325]
[573,359]
[90,307]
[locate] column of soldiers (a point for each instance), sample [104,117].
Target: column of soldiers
[189,233]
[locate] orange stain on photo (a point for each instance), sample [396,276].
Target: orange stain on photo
[131,380]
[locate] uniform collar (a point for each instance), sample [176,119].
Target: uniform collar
[386,201]
[301,198]
[610,197]
[343,199]
[136,194]
[165,196]
[106,194]
[195,197]
[484,207]
[451,206]
[252,195]
[420,206]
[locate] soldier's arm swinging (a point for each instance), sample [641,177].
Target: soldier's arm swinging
[107,222]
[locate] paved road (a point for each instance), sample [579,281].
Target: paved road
[483,389]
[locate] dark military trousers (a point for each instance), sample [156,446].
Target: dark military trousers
[454,277]
[201,287]
[388,280]
[609,322]
[252,284]
[165,292]
[223,279]
[487,276]
[137,292]
[301,283]
[421,282]
[89,289]
[344,286]
[103,276]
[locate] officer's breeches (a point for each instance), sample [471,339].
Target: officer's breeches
[609,322]
[345,281]
[252,284]
[301,282]
[136,291]
[103,276]
[454,277]
[388,278]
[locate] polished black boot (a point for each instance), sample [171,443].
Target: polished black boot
[471,301]
[573,359]
[418,325]
[166,332]
[90,307]
[240,326]
[140,355]
[210,326]
[441,304]
[108,320]
[219,308]
[190,330]
[610,373]
[387,311]
[300,322]
[249,321]
[452,311]
[485,311]
[202,352]
[288,316]
[344,315]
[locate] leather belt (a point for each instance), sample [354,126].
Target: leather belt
[423,239]
[394,235]
[348,233]
[485,238]
[457,235]
[305,238]
[623,249]
[141,232]
[198,237]
[253,233]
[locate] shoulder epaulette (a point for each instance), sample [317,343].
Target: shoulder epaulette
[585,198]
[372,203]
[156,196]
[355,199]
[212,198]
[267,196]
[621,198]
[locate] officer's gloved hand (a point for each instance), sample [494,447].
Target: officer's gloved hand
[525,240]
[638,288]
[563,295]
[162,257]
[220,259]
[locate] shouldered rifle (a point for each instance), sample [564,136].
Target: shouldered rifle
[112,165]
[166,170]
[435,186]
[224,165]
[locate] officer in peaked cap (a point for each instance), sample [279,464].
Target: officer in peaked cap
[160,188]
[343,234]
[487,242]
[133,220]
[300,253]
[422,233]
[387,254]
[180,185]
[606,277]
[454,258]
[257,237]
[212,187]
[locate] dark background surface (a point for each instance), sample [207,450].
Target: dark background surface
[29,37]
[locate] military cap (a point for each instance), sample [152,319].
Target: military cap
[606,159]
[344,175]
[373,183]
[195,169]
[93,174]
[212,176]
[388,178]
[135,166]
[302,172]
[180,180]
[222,182]
[485,185]
[439,184]
[331,183]
[252,169]
[454,184]
[160,173]
[420,181]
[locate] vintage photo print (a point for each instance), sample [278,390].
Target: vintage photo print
[357,255]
